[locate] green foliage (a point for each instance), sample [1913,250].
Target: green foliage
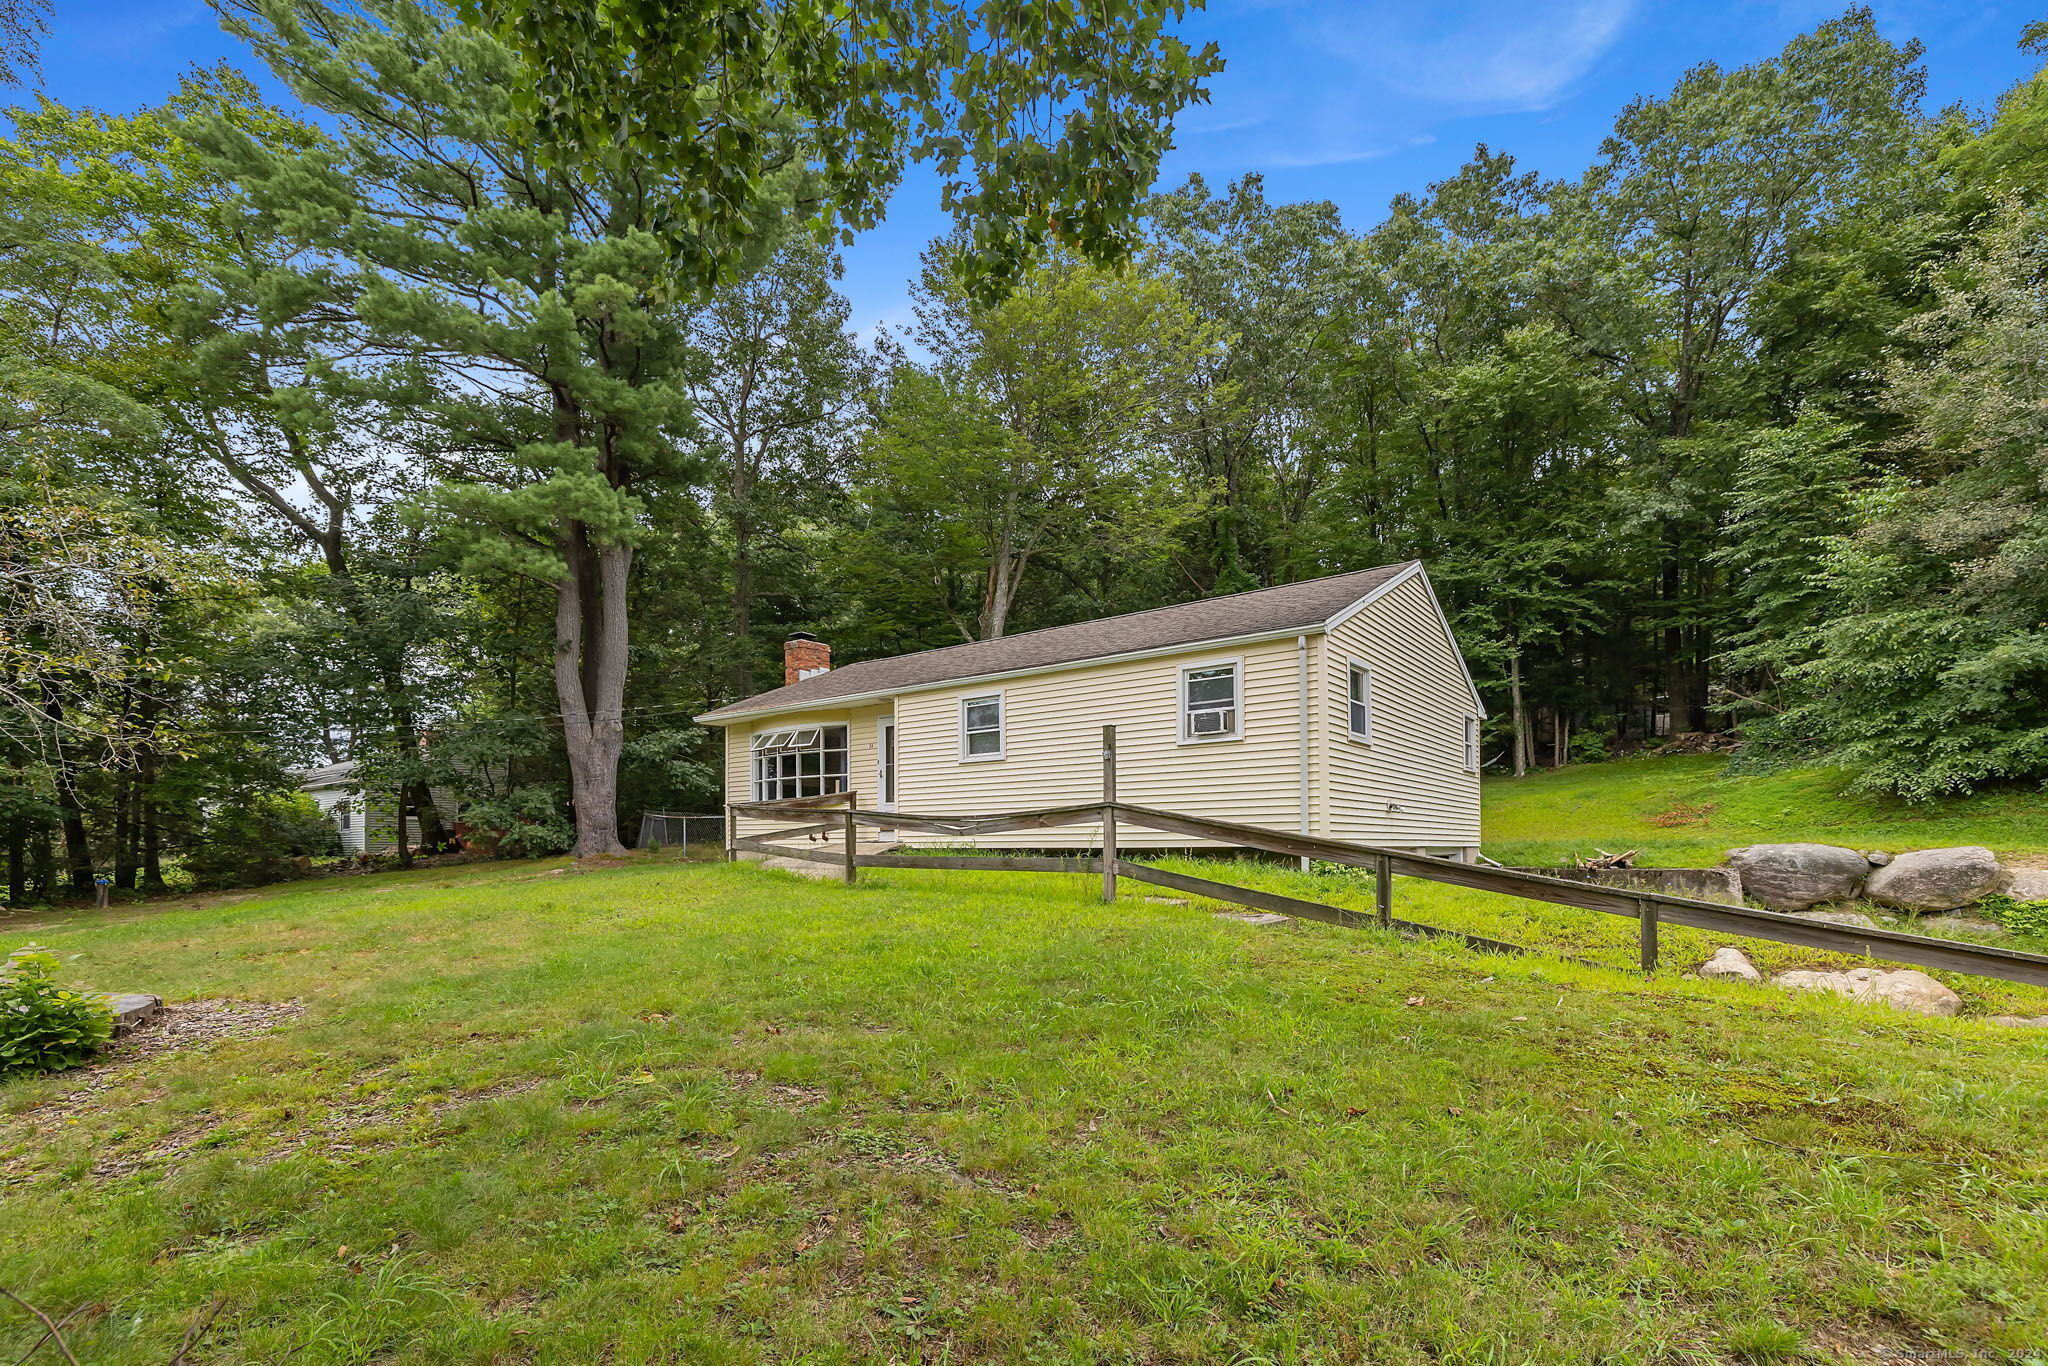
[258,839]
[2021,917]
[1045,126]
[1932,675]
[45,1027]
[521,822]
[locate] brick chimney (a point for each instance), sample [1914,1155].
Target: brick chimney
[803,654]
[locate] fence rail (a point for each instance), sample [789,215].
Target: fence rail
[1650,909]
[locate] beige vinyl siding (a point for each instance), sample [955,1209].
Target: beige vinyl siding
[860,758]
[1052,747]
[1408,787]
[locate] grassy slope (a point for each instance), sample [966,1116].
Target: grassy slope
[1688,811]
[706,1114]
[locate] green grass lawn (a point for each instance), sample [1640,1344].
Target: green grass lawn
[674,1112]
[707,1113]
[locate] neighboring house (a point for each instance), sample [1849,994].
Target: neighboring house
[1340,706]
[367,825]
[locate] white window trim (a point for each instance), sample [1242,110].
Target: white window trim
[1470,740]
[785,735]
[1180,701]
[1351,733]
[1002,726]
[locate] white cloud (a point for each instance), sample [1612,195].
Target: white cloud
[1313,83]
[1493,55]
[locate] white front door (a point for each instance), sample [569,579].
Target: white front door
[885,763]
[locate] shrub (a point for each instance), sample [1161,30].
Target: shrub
[526,822]
[258,838]
[2021,917]
[44,1027]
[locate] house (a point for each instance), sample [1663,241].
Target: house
[365,824]
[1339,706]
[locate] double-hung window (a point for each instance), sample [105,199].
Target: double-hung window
[1471,744]
[1358,693]
[803,761]
[981,727]
[1209,702]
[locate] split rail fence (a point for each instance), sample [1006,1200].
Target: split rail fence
[837,818]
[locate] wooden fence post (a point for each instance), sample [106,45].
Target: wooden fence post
[1109,853]
[852,838]
[732,832]
[1646,932]
[1383,891]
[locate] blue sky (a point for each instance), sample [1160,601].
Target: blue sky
[1351,102]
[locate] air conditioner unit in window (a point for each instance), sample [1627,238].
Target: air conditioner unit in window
[1219,721]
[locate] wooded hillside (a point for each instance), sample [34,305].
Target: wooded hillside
[313,418]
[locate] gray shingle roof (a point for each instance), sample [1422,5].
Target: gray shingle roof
[327,775]
[1289,607]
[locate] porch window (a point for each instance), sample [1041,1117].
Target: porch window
[981,727]
[802,761]
[1209,702]
[1359,688]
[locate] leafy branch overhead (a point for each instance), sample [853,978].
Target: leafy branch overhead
[1046,123]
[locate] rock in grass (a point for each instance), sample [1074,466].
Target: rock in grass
[1877,858]
[1792,877]
[2029,884]
[1937,879]
[1853,919]
[2022,1021]
[1731,964]
[1905,989]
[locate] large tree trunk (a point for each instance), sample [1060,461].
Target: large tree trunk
[45,866]
[17,862]
[743,599]
[126,799]
[1518,714]
[77,847]
[148,819]
[590,682]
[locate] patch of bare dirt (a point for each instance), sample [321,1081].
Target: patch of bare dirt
[190,1024]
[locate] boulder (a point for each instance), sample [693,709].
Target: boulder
[1937,879]
[2029,884]
[1791,877]
[1854,919]
[1877,858]
[1731,964]
[1905,989]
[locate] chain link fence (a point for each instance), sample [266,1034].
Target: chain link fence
[671,829]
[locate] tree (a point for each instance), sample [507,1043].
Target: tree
[1933,676]
[779,383]
[22,26]
[1046,123]
[1698,199]
[1274,282]
[1040,433]
[552,292]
